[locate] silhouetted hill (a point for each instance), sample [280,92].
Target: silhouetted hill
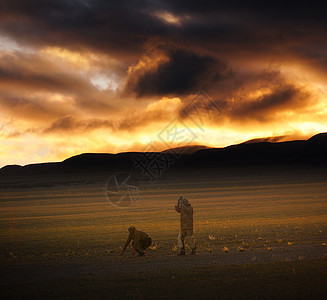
[186,149]
[273,139]
[97,162]
[11,169]
[319,138]
[312,151]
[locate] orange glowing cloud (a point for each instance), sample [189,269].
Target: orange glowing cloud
[113,77]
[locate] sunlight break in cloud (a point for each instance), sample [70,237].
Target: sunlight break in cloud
[168,17]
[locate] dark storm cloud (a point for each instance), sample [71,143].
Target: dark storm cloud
[121,27]
[263,108]
[115,27]
[184,72]
[261,97]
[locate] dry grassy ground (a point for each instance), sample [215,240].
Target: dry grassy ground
[256,236]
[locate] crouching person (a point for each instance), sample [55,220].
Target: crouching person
[185,209]
[141,241]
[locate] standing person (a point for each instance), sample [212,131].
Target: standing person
[185,208]
[141,241]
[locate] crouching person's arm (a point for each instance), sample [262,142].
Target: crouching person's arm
[127,243]
[137,244]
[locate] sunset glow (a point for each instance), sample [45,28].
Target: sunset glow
[108,78]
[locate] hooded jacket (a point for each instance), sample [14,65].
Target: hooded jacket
[186,218]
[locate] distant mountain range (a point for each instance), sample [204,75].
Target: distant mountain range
[254,153]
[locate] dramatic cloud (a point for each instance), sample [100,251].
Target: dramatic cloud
[182,72]
[86,75]
[160,111]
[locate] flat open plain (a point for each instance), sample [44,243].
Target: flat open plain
[258,237]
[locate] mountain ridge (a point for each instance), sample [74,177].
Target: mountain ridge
[313,150]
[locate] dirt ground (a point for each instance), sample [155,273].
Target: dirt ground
[191,277]
[258,237]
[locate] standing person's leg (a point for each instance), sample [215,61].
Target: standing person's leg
[190,240]
[180,241]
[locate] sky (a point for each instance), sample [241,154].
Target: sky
[105,76]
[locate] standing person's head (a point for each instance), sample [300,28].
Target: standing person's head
[131,229]
[186,202]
